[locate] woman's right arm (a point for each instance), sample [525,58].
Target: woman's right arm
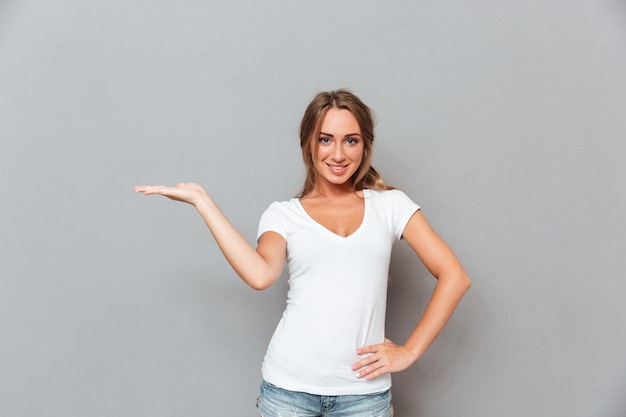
[260,267]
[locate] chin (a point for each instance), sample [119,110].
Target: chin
[340,181]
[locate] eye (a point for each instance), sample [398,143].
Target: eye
[352,141]
[324,139]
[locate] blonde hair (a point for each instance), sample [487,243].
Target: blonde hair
[365,176]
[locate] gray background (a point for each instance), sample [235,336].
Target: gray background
[504,120]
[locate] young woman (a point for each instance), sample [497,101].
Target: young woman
[329,355]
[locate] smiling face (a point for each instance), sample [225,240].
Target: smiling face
[338,151]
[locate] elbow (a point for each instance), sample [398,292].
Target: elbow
[257,277]
[259,286]
[464,281]
[260,282]
[467,282]
[458,280]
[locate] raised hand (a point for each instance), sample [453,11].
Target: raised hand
[187,192]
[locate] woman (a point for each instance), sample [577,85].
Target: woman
[329,355]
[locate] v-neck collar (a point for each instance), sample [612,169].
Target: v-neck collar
[366,195]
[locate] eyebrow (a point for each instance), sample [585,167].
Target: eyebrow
[332,136]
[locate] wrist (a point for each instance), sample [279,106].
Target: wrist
[414,351]
[203,201]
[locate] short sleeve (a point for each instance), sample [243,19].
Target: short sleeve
[402,209]
[271,221]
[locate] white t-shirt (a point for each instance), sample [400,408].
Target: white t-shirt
[337,295]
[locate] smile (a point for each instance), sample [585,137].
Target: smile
[337,168]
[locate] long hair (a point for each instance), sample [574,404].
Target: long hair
[365,176]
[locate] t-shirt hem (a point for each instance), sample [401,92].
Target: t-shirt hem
[361,389]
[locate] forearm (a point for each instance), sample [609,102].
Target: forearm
[446,296]
[253,269]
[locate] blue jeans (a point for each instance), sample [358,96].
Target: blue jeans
[277,402]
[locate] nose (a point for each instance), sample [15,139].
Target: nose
[338,154]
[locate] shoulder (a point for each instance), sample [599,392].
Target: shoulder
[283,205]
[279,217]
[282,209]
[393,197]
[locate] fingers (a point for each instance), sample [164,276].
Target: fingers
[381,359]
[142,188]
[159,189]
[153,189]
[366,367]
[375,348]
[186,192]
[374,360]
[150,189]
[371,367]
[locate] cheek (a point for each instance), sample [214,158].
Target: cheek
[321,153]
[357,154]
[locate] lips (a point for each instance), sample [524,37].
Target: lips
[337,169]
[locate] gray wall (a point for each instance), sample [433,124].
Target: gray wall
[504,120]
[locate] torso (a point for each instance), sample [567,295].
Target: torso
[337,287]
[341,215]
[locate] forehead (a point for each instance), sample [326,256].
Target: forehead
[340,120]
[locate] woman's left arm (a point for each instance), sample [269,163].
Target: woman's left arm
[452,283]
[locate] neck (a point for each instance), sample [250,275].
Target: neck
[331,191]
